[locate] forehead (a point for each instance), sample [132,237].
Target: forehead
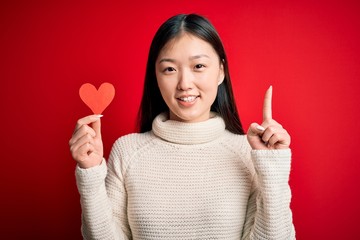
[187,45]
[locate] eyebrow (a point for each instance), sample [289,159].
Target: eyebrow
[191,58]
[198,56]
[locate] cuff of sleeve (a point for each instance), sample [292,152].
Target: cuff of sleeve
[88,180]
[272,164]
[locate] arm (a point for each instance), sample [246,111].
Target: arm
[268,214]
[101,187]
[103,202]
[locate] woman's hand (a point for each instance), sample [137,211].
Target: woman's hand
[86,146]
[270,134]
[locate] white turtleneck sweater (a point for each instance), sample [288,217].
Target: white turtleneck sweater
[187,181]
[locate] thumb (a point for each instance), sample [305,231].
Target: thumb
[255,129]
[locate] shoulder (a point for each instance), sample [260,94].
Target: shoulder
[130,144]
[125,149]
[239,145]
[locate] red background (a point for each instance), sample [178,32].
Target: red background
[308,51]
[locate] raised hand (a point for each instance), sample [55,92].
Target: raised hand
[270,134]
[86,146]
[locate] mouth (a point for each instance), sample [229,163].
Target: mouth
[187,98]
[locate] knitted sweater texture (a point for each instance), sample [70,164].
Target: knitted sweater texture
[187,181]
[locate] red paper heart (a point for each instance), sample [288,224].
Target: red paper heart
[97,100]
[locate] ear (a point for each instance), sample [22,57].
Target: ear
[221,72]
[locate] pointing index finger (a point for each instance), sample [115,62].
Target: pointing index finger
[267,112]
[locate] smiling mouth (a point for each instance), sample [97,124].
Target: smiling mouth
[188,99]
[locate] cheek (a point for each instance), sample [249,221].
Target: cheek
[165,88]
[160,81]
[162,84]
[210,83]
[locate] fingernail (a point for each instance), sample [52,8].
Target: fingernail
[260,128]
[99,115]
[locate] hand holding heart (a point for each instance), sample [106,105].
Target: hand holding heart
[86,146]
[270,134]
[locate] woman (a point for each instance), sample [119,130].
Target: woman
[191,173]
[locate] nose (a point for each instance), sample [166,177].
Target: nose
[186,80]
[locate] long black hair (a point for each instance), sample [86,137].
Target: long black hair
[152,102]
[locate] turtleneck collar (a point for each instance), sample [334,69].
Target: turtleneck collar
[188,133]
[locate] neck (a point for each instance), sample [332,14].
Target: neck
[188,133]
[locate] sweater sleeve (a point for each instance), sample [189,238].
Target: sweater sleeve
[268,213]
[103,201]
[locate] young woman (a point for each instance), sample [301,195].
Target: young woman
[191,173]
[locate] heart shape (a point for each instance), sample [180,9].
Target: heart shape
[97,100]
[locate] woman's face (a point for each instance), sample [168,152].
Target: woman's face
[188,72]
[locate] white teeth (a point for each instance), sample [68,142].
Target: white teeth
[188,99]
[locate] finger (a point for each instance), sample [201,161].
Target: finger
[82,152]
[268,133]
[267,113]
[97,128]
[87,120]
[83,130]
[280,140]
[274,139]
[86,139]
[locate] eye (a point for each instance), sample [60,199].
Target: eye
[199,66]
[169,69]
